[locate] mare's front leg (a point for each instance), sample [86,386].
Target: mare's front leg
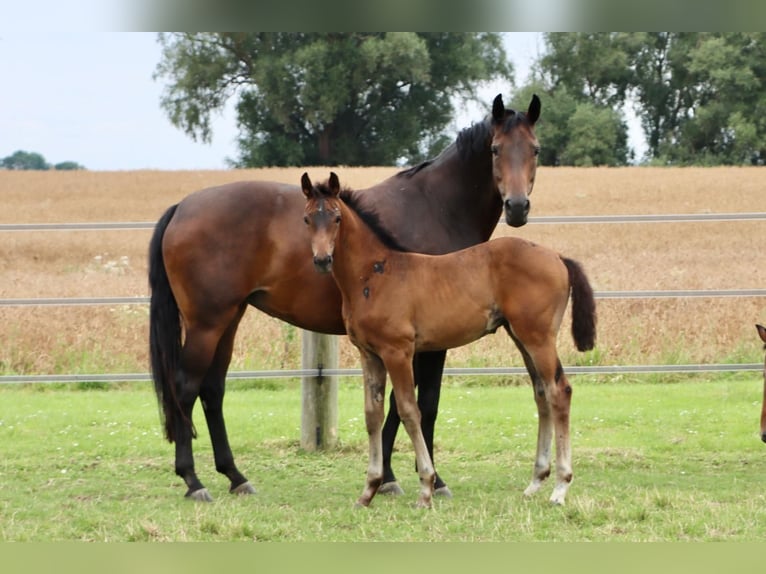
[211,395]
[374,396]
[399,366]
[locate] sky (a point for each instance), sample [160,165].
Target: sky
[89,97]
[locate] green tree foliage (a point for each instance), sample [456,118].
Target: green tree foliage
[700,97]
[68,166]
[321,98]
[24,160]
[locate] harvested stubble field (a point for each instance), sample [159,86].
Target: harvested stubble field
[635,256]
[653,461]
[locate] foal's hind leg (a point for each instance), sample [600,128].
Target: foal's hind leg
[211,395]
[553,395]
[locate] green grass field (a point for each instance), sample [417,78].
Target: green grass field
[652,462]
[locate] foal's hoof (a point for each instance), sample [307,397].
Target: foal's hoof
[443,491]
[201,495]
[391,488]
[244,488]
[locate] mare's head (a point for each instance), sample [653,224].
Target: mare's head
[762,334]
[322,216]
[514,157]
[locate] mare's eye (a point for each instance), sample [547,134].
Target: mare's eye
[495,149]
[337,219]
[537,150]
[306,219]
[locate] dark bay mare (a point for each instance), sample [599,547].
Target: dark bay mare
[397,303]
[762,334]
[224,248]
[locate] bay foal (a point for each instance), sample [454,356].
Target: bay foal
[762,334]
[396,303]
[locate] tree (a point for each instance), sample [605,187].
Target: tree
[326,98]
[585,78]
[68,166]
[724,122]
[24,160]
[700,97]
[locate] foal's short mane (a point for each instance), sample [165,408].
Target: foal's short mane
[472,142]
[369,216]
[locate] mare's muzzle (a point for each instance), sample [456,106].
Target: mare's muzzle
[516,211]
[323,263]
[763,436]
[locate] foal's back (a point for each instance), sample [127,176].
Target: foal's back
[446,301]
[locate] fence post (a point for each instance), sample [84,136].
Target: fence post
[319,412]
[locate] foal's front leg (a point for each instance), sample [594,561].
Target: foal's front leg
[374,397]
[399,365]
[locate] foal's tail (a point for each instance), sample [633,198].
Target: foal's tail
[583,307]
[164,328]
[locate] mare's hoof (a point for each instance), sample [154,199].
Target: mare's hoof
[443,491]
[201,495]
[391,488]
[244,488]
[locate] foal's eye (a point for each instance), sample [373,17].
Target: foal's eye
[495,149]
[537,150]
[306,219]
[337,219]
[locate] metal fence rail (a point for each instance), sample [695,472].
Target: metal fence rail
[545,219]
[449,371]
[488,371]
[651,294]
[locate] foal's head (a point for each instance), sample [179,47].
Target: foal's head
[322,216]
[514,157]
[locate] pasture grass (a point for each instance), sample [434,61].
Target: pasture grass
[653,462]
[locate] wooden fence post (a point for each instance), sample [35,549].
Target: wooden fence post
[319,412]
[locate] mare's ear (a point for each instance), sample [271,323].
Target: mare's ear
[533,112]
[334,184]
[761,332]
[498,109]
[306,185]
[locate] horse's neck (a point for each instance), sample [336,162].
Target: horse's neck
[457,193]
[356,247]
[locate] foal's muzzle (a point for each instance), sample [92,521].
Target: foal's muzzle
[763,436]
[516,211]
[323,263]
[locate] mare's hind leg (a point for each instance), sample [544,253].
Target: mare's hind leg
[428,368]
[211,396]
[374,398]
[196,355]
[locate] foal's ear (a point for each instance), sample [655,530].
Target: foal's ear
[533,112]
[306,185]
[334,184]
[498,109]
[761,332]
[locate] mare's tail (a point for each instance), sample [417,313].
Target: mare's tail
[583,307]
[164,328]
